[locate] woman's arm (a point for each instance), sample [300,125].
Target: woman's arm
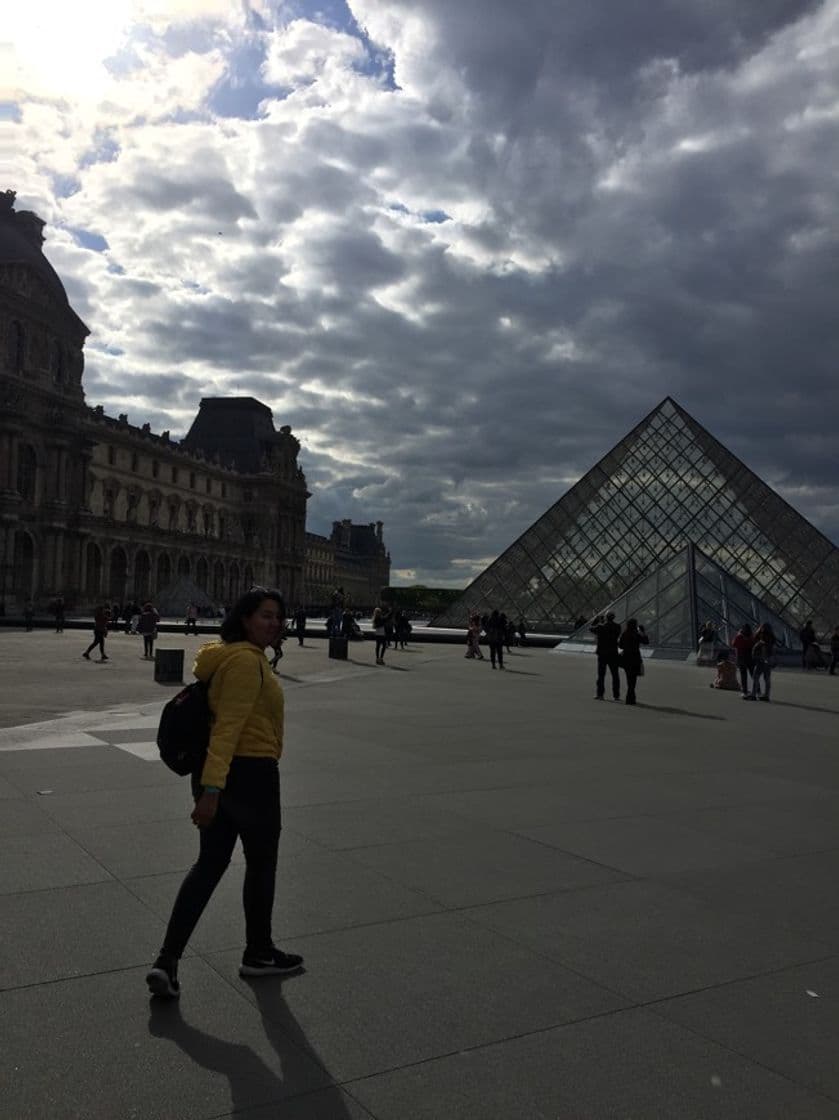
[239,689]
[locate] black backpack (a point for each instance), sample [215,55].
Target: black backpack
[183,733]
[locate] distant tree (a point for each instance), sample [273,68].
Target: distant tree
[421,599]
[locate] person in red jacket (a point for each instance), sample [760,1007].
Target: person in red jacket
[742,646]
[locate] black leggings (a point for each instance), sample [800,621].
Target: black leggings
[381,646]
[98,640]
[249,807]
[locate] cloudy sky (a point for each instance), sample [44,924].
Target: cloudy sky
[461,247]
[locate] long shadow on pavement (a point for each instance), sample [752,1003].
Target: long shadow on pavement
[679,711]
[806,707]
[243,1067]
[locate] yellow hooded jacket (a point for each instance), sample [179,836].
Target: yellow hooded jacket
[247,705]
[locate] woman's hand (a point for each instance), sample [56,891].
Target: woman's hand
[205,809]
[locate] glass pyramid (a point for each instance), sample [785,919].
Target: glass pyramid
[667,484]
[679,597]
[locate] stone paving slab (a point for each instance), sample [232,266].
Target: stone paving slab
[631,1065]
[513,901]
[758,1018]
[412,990]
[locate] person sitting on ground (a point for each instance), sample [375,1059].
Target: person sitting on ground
[726,677]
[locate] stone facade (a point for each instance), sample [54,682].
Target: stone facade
[354,558]
[94,508]
[319,575]
[362,563]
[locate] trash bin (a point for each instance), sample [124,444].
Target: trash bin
[169,666]
[338,647]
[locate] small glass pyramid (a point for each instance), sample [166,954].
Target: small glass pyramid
[675,601]
[666,485]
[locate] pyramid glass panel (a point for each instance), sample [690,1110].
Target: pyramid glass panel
[667,485]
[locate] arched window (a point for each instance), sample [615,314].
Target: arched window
[164,572]
[202,573]
[57,362]
[27,469]
[142,575]
[118,574]
[14,355]
[233,582]
[93,570]
[23,564]
[218,581]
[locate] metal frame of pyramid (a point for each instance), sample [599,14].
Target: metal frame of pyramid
[667,484]
[685,593]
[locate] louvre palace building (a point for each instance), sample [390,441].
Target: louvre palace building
[671,528]
[94,508]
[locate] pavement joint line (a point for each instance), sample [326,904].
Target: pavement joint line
[751,1058]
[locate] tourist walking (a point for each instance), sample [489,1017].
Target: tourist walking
[607,632]
[742,646]
[807,635]
[387,617]
[191,620]
[58,611]
[237,793]
[101,618]
[473,637]
[763,656]
[300,624]
[633,637]
[28,613]
[147,626]
[834,651]
[277,646]
[401,630]
[495,639]
[380,635]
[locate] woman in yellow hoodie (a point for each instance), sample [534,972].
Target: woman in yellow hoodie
[237,794]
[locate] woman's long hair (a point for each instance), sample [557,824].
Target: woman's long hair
[233,626]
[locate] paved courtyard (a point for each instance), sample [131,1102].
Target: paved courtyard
[515,903]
